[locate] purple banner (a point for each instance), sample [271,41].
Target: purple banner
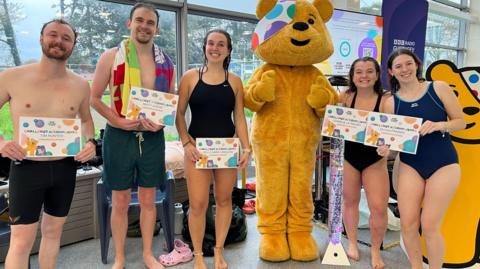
[404,26]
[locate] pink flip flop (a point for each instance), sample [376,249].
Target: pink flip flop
[181,253]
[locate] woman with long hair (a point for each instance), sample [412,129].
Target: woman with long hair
[213,94]
[363,166]
[428,179]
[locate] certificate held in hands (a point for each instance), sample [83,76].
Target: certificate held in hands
[400,132]
[159,107]
[218,153]
[50,137]
[345,123]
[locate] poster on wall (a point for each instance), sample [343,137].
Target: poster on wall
[354,35]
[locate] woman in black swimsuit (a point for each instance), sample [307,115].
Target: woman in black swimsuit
[363,166]
[213,94]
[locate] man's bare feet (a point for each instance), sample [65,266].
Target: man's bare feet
[199,262]
[352,252]
[377,262]
[151,262]
[218,259]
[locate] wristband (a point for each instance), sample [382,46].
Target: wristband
[246,150]
[186,143]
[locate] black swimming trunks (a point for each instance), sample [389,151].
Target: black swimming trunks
[212,107]
[359,155]
[36,183]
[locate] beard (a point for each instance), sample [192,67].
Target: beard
[46,49]
[143,39]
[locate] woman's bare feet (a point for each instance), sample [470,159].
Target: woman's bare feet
[151,262]
[218,259]
[352,252]
[199,262]
[377,262]
[118,264]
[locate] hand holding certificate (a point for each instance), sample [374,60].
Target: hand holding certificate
[401,133]
[218,153]
[159,107]
[375,129]
[50,137]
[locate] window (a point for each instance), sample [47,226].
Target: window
[245,6]
[445,39]
[243,61]
[371,7]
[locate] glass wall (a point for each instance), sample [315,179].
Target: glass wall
[244,6]
[444,39]
[243,60]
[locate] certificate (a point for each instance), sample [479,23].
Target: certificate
[400,132]
[218,153]
[159,107]
[345,123]
[50,137]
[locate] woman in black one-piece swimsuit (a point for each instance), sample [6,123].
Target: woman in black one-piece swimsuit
[363,166]
[213,95]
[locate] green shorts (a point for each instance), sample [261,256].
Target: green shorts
[133,159]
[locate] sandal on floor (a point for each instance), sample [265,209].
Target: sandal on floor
[249,207]
[180,246]
[175,257]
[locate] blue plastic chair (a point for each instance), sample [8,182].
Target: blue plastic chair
[165,212]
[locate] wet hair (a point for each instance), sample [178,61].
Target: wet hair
[61,21]
[146,6]
[226,62]
[394,84]
[377,87]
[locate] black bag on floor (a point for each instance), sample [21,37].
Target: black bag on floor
[236,233]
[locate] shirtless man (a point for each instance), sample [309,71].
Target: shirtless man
[44,89]
[142,155]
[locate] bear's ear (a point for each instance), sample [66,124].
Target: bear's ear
[324,7]
[441,70]
[264,6]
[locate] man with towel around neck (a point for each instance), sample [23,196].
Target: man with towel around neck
[133,149]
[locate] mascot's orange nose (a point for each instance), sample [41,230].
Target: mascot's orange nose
[300,26]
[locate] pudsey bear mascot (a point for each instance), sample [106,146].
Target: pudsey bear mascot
[289,96]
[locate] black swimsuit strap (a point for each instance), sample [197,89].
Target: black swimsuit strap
[200,73]
[377,104]
[354,99]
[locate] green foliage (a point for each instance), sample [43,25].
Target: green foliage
[6,127]
[171,137]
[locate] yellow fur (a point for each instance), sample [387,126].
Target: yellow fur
[460,227]
[289,96]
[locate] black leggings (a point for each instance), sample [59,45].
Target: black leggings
[36,183]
